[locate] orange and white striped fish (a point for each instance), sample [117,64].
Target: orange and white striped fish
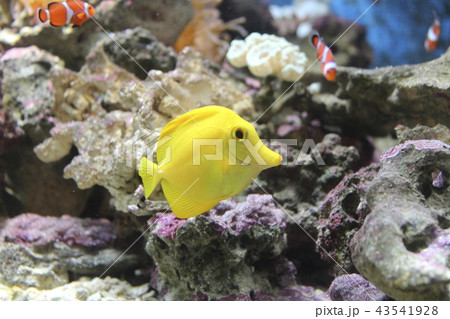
[74,12]
[325,56]
[433,34]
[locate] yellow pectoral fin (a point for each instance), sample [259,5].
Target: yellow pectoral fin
[148,171]
[183,206]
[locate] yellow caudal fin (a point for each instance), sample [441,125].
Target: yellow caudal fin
[148,171]
[182,206]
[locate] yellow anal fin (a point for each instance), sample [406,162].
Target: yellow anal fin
[183,206]
[148,171]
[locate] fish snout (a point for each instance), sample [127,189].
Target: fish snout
[270,157]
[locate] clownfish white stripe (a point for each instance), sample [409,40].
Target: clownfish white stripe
[69,12]
[328,66]
[431,35]
[86,11]
[431,41]
[324,54]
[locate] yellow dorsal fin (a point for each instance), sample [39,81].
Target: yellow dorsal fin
[173,128]
[183,206]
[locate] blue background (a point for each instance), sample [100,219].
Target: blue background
[396,29]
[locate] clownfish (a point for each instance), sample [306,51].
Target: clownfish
[433,34]
[325,56]
[195,177]
[74,12]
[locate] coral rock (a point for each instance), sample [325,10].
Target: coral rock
[268,55]
[42,252]
[421,132]
[155,16]
[35,230]
[147,52]
[228,251]
[29,98]
[107,127]
[341,215]
[95,289]
[375,101]
[354,288]
[403,245]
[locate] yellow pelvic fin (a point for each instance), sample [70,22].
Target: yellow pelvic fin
[148,171]
[183,206]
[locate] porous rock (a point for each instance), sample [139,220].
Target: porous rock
[146,51]
[29,99]
[403,245]
[228,251]
[354,287]
[95,289]
[107,113]
[58,41]
[154,16]
[341,215]
[375,101]
[41,252]
[309,170]
[421,132]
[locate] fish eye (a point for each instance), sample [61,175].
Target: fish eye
[239,133]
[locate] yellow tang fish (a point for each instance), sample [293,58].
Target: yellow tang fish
[204,156]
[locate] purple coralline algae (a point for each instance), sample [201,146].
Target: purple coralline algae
[31,229]
[402,247]
[341,215]
[417,144]
[43,252]
[168,224]
[257,209]
[230,250]
[354,287]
